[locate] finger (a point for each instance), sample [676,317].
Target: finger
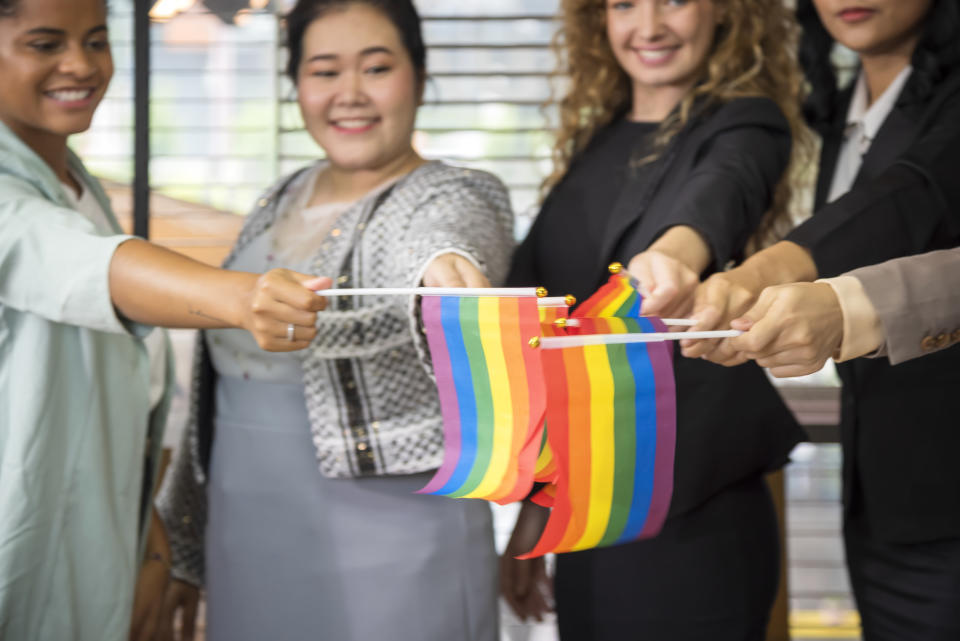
[764,337]
[188,617]
[442,273]
[288,287]
[471,276]
[707,319]
[668,278]
[789,371]
[149,630]
[522,577]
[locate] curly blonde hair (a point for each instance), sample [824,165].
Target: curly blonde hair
[753,54]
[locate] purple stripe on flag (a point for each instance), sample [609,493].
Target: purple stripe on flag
[449,408]
[661,359]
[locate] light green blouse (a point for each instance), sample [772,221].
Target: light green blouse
[78,442]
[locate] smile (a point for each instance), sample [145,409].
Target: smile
[70,96]
[655,57]
[354,125]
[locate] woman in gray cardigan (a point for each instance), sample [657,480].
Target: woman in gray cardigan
[292,499]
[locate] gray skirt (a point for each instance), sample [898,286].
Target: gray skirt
[293,555]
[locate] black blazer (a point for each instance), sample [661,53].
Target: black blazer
[719,178]
[900,425]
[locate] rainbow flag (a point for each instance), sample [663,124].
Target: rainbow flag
[611,414]
[617,297]
[492,395]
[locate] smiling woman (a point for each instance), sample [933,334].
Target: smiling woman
[86,383]
[328,451]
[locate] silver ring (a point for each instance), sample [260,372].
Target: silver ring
[290,329]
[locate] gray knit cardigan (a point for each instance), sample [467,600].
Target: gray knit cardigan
[372,405]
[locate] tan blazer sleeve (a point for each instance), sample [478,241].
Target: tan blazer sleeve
[917,299]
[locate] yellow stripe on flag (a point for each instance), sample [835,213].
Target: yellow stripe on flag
[489,323]
[601,446]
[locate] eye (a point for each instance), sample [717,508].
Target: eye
[323,73]
[377,69]
[99,45]
[677,3]
[45,46]
[622,5]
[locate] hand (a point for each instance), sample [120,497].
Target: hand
[667,285]
[184,598]
[721,298]
[793,329]
[278,299]
[525,583]
[453,270]
[151,584]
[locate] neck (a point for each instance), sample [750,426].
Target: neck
[881,69]
[338,184]
[654,104]
[52,149]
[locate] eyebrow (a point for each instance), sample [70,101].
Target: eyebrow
[50,31]
[366,52]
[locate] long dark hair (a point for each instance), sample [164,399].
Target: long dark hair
[401,13]
[936,54]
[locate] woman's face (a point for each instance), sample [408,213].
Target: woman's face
[55,64]
[661,43]
[874,27]
[358,89]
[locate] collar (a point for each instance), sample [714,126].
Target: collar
[872,118]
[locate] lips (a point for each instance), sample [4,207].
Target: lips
[853,15]
[354,125]
[71,96]
[655,57]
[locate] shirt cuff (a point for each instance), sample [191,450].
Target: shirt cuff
[862,331]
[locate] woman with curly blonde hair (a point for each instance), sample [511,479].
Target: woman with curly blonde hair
[674,140]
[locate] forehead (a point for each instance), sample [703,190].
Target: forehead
[351,30]
[64,15]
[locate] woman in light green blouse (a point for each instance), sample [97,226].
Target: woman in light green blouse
[79,426]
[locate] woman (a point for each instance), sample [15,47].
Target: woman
[887,188]
[675,133]
[84,384]
[347,551]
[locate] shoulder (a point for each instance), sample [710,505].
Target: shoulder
[744,113]
[438,177]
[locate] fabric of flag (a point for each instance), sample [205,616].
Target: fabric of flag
[611,417]
[617,297]
[492,396]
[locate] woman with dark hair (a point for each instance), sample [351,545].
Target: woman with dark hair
[293,496]
[887,188]
[85,378]
[674,140]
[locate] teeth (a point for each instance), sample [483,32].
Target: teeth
[70,95]
[353,124]
[655,56]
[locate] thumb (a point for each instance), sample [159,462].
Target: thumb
[313,282]
[755,313]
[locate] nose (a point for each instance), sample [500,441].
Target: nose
[78,62]
[350,89]
[649,24]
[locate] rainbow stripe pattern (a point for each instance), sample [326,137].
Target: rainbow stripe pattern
[492,395]
[617,297]
[611,413]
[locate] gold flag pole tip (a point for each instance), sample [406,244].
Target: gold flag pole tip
[535,342]
[560,322]
[570,300]
[542,292]
[615,268]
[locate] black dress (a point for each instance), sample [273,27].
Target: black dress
[899,424]
[712,572]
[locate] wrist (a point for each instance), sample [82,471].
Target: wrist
[781,264]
